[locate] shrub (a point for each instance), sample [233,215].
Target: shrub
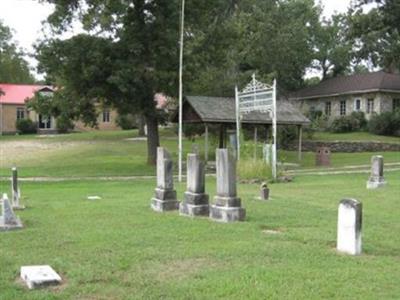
[387,123]
[64,124]
[127,121]
[26,126]
[345,124]
[251,169]
[360,117]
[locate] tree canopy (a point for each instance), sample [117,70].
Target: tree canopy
[13,67]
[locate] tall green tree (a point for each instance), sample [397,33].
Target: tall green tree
[128,55]
[333,52]
[13,67]
[377,33]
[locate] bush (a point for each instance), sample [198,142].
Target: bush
[64,124]
[387,123]
[26,126]
[251,169]
[127,121]
[360,117]
[345,124]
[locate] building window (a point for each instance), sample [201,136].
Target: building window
[396,104]
[342,107]
[328,108]
[106,116]
[20,113]
[357,105]
[370,106]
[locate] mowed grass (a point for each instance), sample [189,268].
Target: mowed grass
[118,248]
[95,154]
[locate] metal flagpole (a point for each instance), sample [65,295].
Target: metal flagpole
[180,90]
[237,124]
[274,130]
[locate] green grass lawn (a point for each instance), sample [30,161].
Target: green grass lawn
[111,154]
[354,136]
[117,248]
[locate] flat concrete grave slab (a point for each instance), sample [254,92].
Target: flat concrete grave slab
[39,276]
[94,198]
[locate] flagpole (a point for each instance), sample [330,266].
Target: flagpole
[180,90]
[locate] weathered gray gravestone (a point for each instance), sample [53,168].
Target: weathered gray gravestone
[227,207]
[195,201]
[349,226]
[8,220]
[15,191]
[165,195]
[376,179]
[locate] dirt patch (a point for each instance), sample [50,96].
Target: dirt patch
[17,151]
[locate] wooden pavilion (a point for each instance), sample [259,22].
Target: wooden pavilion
[221,110]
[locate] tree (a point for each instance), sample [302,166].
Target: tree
[333,52]
[377,33]
[128,54]
[13,67]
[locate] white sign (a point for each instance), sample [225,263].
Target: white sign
[257,96]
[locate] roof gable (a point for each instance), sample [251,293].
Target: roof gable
[19,93]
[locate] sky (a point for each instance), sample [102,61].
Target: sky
[25,18]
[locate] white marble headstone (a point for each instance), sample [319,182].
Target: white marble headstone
[349,227]
[36,276]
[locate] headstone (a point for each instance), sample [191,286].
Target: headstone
[323,156]
[376,179]
[8,220]
[227,206]
[264,191]
[195,201]
[349,227]
[15,191]
[39,276]
[195,149]
[165,195]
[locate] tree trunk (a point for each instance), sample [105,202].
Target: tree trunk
[141,124]
[153,140]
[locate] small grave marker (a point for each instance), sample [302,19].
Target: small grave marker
[349,227]
[15,191]
[8,220]
[376,180]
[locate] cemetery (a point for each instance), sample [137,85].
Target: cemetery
[153,236]
[199,150]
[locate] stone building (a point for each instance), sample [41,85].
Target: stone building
[370,93]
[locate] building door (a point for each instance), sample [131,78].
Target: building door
[44,122]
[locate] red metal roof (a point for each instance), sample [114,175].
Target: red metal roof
[18,93]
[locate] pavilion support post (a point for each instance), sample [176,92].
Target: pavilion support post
[300,129]
[267,128]
[255,143]
[206,143]
[221,136]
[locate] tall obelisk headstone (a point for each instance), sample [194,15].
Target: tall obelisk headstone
[195,201]
[8,220]
[349,226]
[376,179]
[15,191]
[165,195]
[227,207]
